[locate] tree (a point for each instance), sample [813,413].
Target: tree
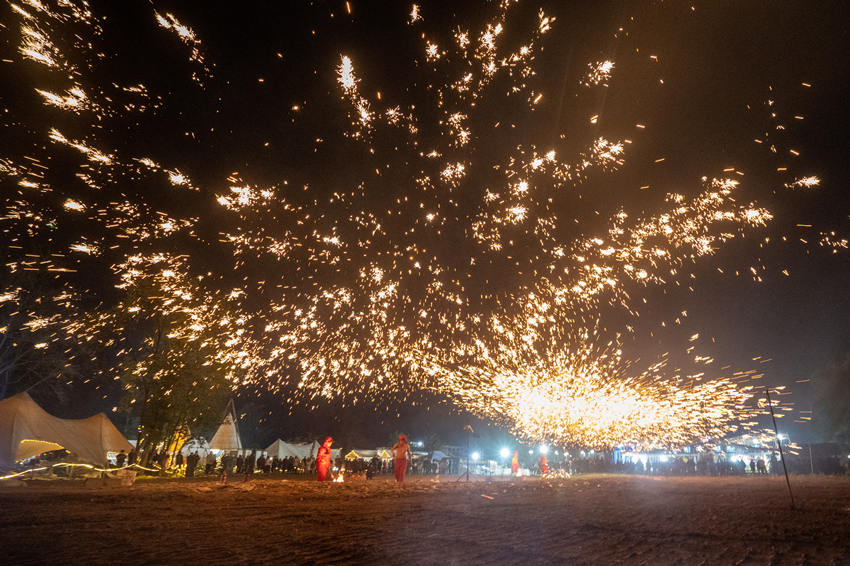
[42,339]
[832,403]
[177,388]
[170,364]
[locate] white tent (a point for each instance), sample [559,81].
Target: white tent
[283,449]
[199,445]
[28,430]
[438,456]
[227,436]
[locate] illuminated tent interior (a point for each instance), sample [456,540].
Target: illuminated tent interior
[381,453]
[27,430]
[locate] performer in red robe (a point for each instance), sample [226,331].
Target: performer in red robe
[401,453]
[323,460]
[544,465]
[515,463]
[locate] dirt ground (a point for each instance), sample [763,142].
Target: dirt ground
[581,520]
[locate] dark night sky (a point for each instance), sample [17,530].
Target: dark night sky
[718,64]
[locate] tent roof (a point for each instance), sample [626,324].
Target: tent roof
[28,430]
[227,435]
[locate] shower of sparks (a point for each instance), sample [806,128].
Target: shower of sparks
[804,183]
[187,36]
[415,16]
[599,73]
[465,283]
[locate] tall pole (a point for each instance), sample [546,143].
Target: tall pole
[811,459]
[469,433]
[779,443]
[467,457]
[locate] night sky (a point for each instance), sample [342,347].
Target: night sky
[699,89]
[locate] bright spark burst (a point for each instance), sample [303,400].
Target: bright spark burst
[599,73]
[466,282]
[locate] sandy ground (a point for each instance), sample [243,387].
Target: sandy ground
[582,520]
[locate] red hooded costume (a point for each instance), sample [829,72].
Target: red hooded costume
[323,460]
[401,451]
[515,463]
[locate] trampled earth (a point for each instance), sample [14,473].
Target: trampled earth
[591,519]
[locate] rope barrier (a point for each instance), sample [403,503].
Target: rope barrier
[71,464]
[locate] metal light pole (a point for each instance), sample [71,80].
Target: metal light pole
[469,432]
[779,443]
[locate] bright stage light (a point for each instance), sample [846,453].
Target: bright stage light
[504,452]
[544,449]
[475,456]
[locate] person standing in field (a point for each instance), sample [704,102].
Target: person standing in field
[544,465]
[190,465]
[401,454]
[515,464]
[323,460]
[210,467]
[250,461]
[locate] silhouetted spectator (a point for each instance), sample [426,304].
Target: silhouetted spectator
[226,465]
[210,467]
[191,464]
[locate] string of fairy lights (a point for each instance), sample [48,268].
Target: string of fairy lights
[71,465]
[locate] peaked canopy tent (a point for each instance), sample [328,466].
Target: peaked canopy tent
[227,436]
[27,430]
